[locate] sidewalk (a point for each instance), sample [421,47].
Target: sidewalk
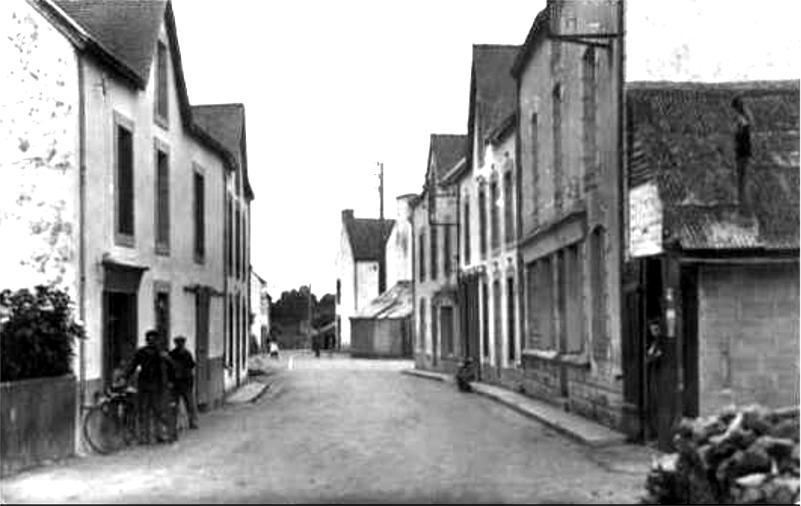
[575,426]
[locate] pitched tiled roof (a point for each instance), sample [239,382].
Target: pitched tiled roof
[128,29]
[495,88]
[394,303]
[681,136]
[226,123]
[368,237]
[446,150]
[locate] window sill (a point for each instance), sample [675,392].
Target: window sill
[574,359]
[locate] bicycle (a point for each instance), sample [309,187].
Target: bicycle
[111,424]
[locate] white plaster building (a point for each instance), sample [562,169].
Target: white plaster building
[110,188]
[360,267]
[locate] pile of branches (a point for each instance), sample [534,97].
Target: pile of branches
[739,456]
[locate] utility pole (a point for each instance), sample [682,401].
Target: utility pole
[381,188]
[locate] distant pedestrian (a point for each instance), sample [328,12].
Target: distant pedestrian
[274,349]
[184,384]
[153,386]
[316,345]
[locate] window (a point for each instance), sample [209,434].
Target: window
[494,214]
[535,175]
[124,182]
[421,262]
[435,347]
[229,255]
[200,216]
[162,103]
[485,317]
[433,247]
[482,221]
[557,145]
[540,304]
[597,266]
[466,226]
[237,240]
[589,99]
[508,213]
[229,361]
[446,252]
[161,305]
[421,333]
[162,200]
[446,328]
[570,284]
[497,319]
[510,320]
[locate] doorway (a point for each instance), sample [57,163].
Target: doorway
[203,373]
[119,331]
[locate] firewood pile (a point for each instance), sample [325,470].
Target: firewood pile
[739,456]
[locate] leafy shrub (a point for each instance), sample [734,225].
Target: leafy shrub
[37,333]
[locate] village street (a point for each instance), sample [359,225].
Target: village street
[339,430]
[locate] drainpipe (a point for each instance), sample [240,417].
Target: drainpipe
[81,228]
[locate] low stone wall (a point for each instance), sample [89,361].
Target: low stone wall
[37,422]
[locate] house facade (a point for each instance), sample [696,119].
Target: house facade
[435,259]
[361,269]
[486,186]
[226,124]
[570,206]
[123,192]
[712,249]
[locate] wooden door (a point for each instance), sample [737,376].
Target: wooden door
[203,376]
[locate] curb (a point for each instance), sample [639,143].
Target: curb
[594,435]
[604,436]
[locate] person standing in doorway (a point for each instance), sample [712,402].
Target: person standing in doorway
[184,385]
[152,387]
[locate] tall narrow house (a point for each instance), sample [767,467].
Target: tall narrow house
[486,185]
[361,269]
[435,258]
[569,85]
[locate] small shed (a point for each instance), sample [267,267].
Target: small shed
[383,328]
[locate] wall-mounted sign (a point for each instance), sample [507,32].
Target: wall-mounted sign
[443,208]
[645,221]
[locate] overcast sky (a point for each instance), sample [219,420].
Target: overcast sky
[332,87]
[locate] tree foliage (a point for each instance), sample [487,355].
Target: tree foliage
[37,333]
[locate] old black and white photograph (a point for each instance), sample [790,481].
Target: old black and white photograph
[399,252]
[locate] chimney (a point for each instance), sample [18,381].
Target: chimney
[404,207]
[347,215]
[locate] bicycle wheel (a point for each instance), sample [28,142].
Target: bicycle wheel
[103,427]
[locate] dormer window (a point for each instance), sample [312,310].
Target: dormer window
[162,102]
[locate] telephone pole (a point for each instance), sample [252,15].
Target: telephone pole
[381,188]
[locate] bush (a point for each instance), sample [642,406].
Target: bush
[37,333]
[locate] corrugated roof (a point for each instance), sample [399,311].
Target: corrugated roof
[682,137]
[128,29]
[394,303]
[368,237]
[495,88]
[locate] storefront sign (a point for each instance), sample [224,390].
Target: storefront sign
[645,221]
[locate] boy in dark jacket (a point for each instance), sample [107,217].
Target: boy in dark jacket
[183,387]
